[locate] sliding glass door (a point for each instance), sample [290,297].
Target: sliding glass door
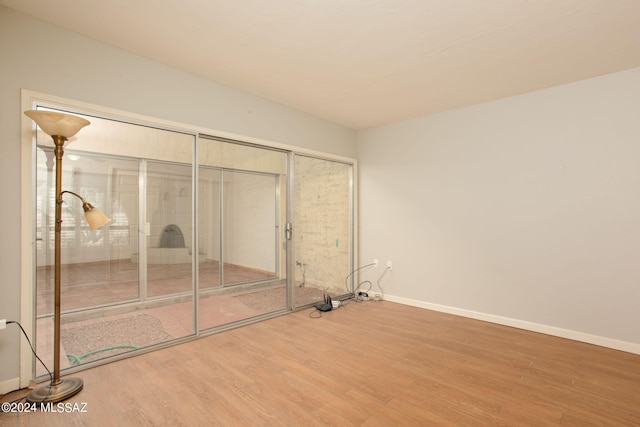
[206,233]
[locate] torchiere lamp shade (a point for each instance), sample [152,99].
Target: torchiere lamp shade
[57,124]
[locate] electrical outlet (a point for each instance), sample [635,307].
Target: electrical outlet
[3,323]
[389,265]
[375,262]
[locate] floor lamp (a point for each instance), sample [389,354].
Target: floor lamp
[61,127]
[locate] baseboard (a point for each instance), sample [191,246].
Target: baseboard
[9,385]
[521,324]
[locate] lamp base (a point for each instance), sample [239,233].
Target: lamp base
[64,389]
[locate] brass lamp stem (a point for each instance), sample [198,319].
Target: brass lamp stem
[59,152]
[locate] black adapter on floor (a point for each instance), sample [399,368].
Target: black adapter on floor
[326,305]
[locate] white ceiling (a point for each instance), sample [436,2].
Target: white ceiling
[362,63]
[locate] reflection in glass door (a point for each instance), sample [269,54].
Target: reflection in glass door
[241,211]
[169,241]
[249,227]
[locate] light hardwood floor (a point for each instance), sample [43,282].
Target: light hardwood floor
[369,364]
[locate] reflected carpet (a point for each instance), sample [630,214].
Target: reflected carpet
[100,339]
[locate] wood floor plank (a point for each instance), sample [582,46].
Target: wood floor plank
[365,364]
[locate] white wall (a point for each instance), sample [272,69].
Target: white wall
[249,220]
[524,211]
[44,58]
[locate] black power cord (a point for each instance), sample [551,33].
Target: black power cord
[361,295]
[32,349]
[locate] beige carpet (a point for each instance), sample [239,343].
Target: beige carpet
[84,343]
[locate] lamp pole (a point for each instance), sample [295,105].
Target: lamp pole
[59,152]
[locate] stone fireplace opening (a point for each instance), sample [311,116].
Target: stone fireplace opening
[170,249]
[171,237]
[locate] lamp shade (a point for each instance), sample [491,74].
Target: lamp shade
[57,124]
[95,218]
